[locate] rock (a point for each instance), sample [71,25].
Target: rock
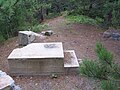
[115,36]
[54,76]
[107,34]
[36,84]
[47,33]
[16,87]
[26,37]
[42,33]
[80,61]
[6,82]
[30,77]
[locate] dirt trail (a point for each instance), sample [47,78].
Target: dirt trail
[78,37]
[81,38]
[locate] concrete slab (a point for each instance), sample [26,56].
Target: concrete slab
[29,33]
[37,59]
[70,59]
[5,81]
[26,37]
[38,50]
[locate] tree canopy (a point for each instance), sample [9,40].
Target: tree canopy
[15,14]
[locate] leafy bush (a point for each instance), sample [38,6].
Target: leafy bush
[83,19]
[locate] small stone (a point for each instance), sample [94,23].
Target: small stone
[67,77]
[54,76]
[43,33]
[115,36]
[17,77]
[36,84]
[79,61]
[49,33]
[106,34]
[16,87]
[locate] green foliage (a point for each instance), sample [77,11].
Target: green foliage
[109,85]
[53,15]
[1,38]
[104,56]
[34,28]
[38,28]
[83,19]
[104,68]
[8,20]
[92,69]
[97,8]
[18,15]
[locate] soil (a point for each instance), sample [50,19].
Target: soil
[78,37]
[68,57]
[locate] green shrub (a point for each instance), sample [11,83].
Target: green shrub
[35,28]
[104,68]
[83,19]
[108,85]
[115,72]
[2,38]
[104,56]
[99,20]
[53,15]
[40,27]
[92,69]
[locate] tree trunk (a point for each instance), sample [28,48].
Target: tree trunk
[109,18]
[47,12]
[41,14]
[58,9]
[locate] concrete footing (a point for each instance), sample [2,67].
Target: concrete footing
[41,59]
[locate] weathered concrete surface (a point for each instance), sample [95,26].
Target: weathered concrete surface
[41,59]
[37,59]
[36,66]
[26,37]
[38,50]
[70,59]
[6,81]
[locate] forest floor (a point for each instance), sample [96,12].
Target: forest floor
[78,37]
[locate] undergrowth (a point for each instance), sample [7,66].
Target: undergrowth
[38,28]
[35,28]
[83,19]
[2,39]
